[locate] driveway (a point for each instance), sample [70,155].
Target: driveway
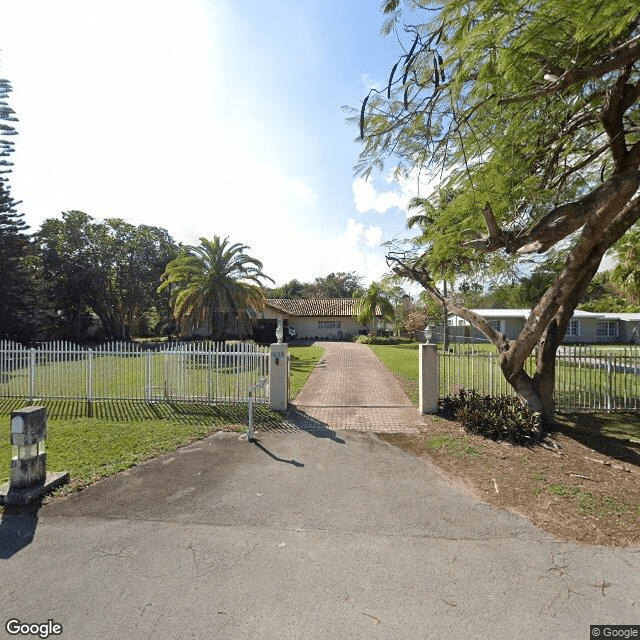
[351,389]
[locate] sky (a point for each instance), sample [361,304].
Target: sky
[206,117]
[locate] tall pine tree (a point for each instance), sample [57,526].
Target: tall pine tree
[17,282]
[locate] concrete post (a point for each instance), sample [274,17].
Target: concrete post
[428,383]
[28,478]
[278,377]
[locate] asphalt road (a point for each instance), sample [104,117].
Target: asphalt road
[301,535]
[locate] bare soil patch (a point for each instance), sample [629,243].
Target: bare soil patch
[588,492]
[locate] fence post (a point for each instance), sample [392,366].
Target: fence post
[428,379]
[90,383]
[609,384]
[32,374]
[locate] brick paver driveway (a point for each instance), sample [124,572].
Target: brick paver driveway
[351,389]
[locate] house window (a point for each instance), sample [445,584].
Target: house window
[607,329]
[573,328]
[495,324]
[324,324]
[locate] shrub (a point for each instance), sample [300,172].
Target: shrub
[375,340]
[501,418]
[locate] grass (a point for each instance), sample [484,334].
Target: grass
[402,361]
[600,506]
[129,374]
[457,447]
[576,385]
[121,434]
[303,361]
[622,426]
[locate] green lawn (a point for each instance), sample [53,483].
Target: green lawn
[303,361]
[122,434]
[402,361]
[576,385]
[137,376]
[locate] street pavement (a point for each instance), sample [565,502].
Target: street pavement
[309,532]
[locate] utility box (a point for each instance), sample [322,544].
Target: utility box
[28,479]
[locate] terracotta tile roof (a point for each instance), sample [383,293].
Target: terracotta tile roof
[333,307]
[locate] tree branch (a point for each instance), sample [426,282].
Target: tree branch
[563,220]
[421,276]
[625,54]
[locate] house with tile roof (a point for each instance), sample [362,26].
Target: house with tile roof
[584,327]
[315,319]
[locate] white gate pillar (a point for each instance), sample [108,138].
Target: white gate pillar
[278,377]
[428,382]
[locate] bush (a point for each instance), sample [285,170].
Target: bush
[501,418]
[375,340]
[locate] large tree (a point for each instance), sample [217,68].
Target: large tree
[19,289]
[372,302]
[335,285]
[529,113]
[111,268]
[215,285]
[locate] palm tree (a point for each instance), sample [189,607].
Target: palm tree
[626,274]
[216,284]
[372,302]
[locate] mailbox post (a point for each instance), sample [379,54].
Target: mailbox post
[28,479]
[278,377]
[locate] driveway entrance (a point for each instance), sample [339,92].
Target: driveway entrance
[351,389]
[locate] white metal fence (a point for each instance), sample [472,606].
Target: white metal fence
[181,372]
[588,378]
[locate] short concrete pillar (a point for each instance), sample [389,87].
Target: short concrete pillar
[28,478]
[278,377]
[428,383]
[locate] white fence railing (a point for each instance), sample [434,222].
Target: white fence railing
[182,372]
[588,378]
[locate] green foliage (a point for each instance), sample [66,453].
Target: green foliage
[503,104]
[292,289]
[373,302]
[334,285]
[111,268]
[215,285]
[19,291]
[373,339]
[122,434]
[626,274]
[500,418]
[303,361]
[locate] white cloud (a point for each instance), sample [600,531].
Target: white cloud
[366,197]
[373,236]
